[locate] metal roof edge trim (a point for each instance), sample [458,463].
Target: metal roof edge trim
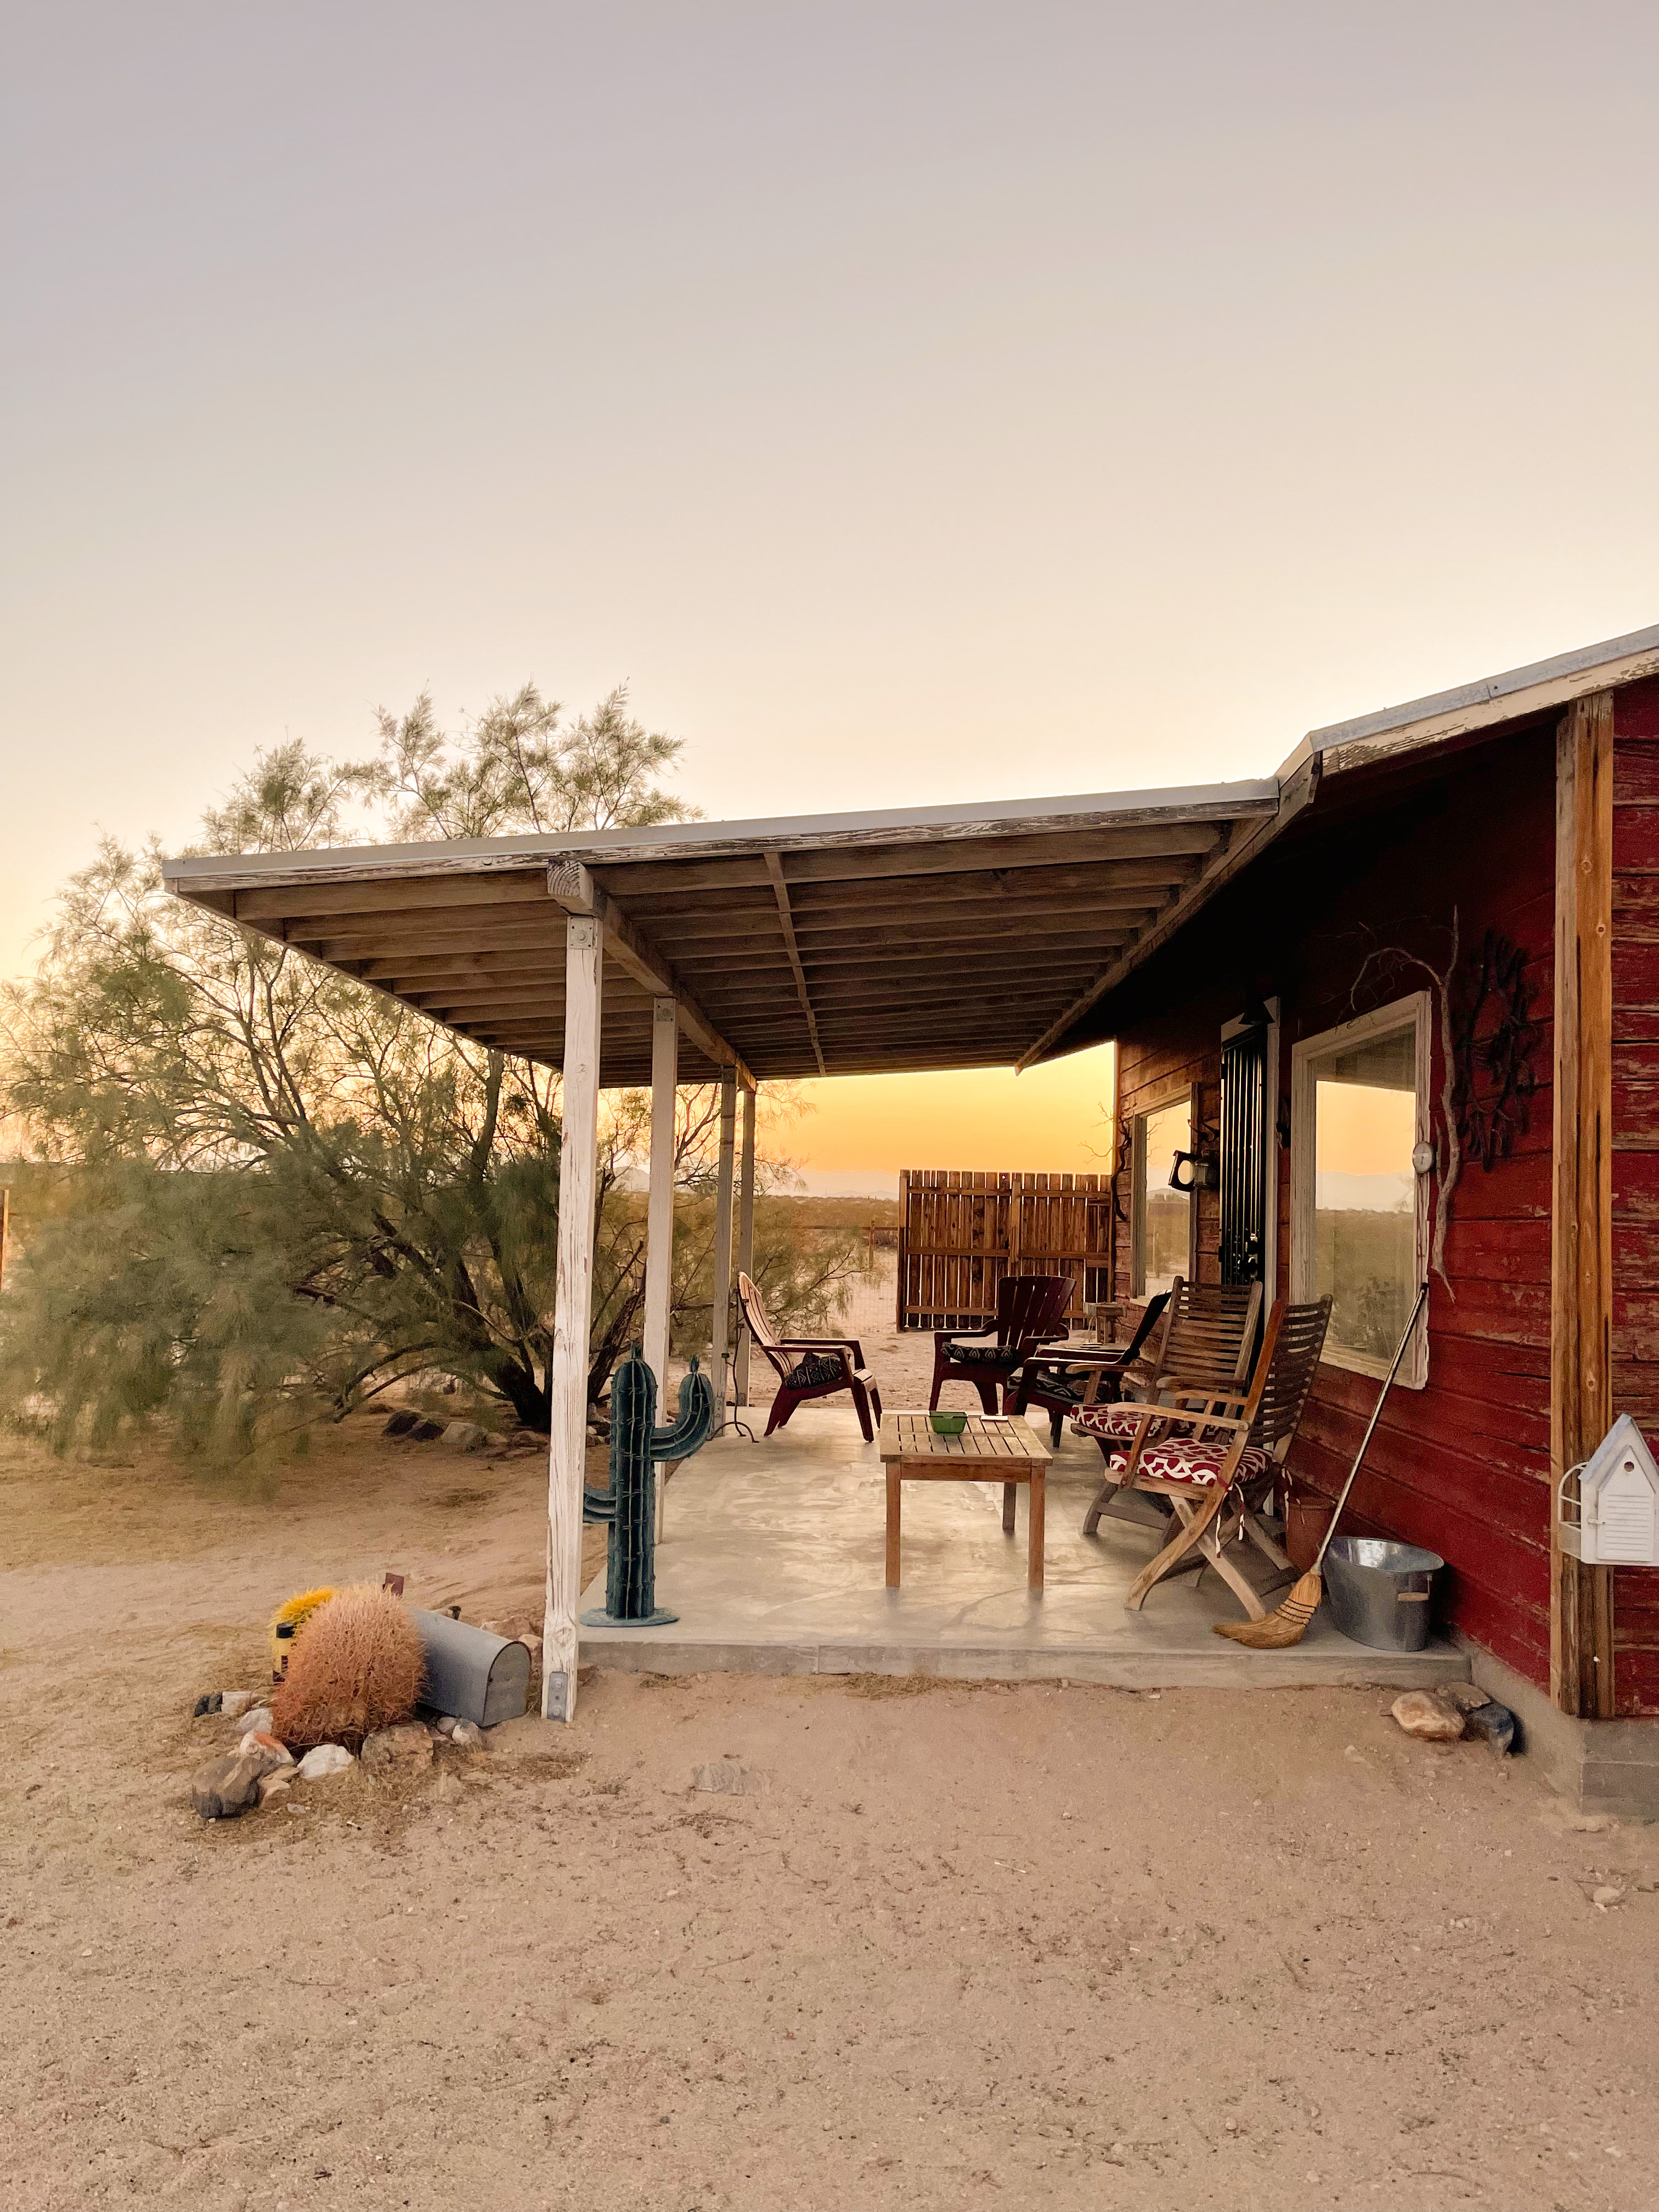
[1460,706]
[718,840]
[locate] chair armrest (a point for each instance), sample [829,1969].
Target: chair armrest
[822,1344]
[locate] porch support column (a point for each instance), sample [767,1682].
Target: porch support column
[745,1240]
[1581,1254]
[660,1213]
[719,1334]
[572,1307]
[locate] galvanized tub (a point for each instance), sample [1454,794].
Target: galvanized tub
[1380,1593]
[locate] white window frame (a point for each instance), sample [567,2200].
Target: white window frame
[1183,1094]
[1415,1012]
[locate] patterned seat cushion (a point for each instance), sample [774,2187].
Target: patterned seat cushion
[1004,1356]
[818,1367]
[1111,1420]
[1181,1460]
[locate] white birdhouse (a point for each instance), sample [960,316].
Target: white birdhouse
[1609,1507]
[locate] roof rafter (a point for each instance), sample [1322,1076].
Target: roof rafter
[572,886]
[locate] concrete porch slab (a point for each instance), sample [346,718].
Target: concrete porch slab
[773,1558]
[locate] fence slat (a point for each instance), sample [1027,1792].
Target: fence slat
[961,1230]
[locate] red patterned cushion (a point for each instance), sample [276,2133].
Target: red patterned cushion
[1182,1460]
[1109,1420]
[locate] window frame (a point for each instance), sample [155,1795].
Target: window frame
[1415,1012]
[1183,1094]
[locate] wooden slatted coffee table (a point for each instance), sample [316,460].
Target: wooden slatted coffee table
[991,1448]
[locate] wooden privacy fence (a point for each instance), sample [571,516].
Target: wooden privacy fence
[961,1230]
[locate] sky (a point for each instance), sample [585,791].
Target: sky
[910,403]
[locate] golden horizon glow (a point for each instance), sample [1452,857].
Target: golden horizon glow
[1054,1120]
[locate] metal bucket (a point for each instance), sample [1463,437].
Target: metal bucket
[1380,1592]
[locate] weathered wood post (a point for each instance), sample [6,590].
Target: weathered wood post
[659,1208]
[1581,1252]
[722,1316]
[660,1213]
[584,968]
[745,1240]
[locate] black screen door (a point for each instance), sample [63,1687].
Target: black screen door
[1244,1156]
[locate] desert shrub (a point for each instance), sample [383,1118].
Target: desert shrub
[356,1666]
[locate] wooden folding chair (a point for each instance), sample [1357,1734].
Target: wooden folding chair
[1209,1451]
[1206,1343]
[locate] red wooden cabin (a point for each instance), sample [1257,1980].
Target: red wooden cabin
[1468,889]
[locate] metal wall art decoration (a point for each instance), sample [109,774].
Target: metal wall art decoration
[1495,1044]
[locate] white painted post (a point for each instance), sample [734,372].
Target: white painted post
[571,1313]
[659,1214]
[745,1242]
[721,1329]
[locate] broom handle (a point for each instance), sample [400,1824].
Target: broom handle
[1370,1426]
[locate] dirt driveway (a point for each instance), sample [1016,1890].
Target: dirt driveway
[1022,1946]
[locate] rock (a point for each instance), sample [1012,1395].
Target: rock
[207,1703]
[235,1702]
[1494,1725]
[327,1758]
[467,1735]
[400,1424]
[1465,1696]
[1425,1713]
[257,1723]
[426,1432]
[1607,1895]
[446,1724]
[227,1785]
[266,1742]
[465,1436]
[729,1778]
[407,1744]
[273,1788]
[532,1644]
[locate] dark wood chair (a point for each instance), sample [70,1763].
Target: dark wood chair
[1061,1382]
[809,1366]
[1030,1311]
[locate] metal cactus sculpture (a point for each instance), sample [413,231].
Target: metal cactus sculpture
[636,1445]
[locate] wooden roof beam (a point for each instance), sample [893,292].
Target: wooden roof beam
[1247,838]
[572,886]
[786,921]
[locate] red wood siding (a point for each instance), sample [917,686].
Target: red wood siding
[1463,1465]
[1636,1149]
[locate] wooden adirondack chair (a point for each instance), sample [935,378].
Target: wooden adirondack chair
[1207,1451]
[1030,1311]
[809,1366]
[1062,1383]
[1207,1342]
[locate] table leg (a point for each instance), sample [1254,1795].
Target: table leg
[1034,1576]
[892,1528]
[1008,1490]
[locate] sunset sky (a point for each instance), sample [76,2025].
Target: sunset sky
[911,402]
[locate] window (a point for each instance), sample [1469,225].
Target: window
[1163,1217]
[1358,1207]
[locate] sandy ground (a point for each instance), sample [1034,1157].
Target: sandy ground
[1028,1947]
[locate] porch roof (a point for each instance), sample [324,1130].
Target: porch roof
[816,945]
[984,935]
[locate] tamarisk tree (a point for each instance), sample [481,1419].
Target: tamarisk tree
[288,1191]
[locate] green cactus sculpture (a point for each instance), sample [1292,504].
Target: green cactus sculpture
[636,1445]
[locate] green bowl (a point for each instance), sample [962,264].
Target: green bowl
[947,1425]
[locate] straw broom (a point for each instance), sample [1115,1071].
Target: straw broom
[1290,1623]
